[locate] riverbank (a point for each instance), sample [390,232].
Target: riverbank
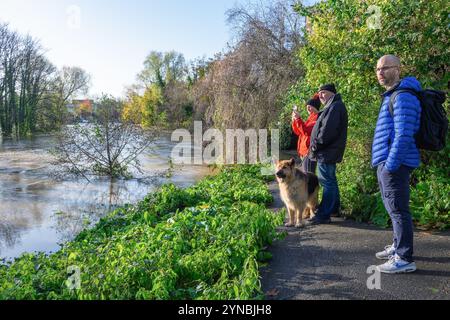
[203,242]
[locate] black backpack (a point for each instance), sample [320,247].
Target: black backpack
[433,130]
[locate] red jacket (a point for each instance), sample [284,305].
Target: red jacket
[304,130]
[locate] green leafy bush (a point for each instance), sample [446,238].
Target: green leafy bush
[342,48]
[197,243]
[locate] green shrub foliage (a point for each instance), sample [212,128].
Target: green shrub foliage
[203,242]
[345,41]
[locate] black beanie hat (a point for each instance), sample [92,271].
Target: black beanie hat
[329,87]
[314,103]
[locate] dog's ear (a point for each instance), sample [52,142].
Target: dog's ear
[292,162]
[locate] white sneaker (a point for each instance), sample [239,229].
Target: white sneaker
[397,265]
[387,253]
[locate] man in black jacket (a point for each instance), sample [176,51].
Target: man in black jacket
[328,142]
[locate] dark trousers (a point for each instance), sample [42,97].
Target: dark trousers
[331,200]
[309,165]
[394,189]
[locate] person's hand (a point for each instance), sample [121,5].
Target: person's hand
[295,116]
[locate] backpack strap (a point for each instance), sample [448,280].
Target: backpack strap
[394,97]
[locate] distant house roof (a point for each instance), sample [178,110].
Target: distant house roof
[82,101]
[75,103]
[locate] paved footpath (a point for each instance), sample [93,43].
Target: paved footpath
[330,262]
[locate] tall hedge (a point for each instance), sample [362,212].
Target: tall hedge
[343,45]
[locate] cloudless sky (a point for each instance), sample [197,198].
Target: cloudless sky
[114,36]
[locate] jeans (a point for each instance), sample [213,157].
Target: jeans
[395,192]
[309,165]
[331,201]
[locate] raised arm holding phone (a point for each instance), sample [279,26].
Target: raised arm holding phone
[303,130]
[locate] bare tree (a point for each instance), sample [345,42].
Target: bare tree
[243,87]
[10,54]
[35,77]
[32,93]
[107,147]
[69,82]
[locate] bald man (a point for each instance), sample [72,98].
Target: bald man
[388,71]
[396,155]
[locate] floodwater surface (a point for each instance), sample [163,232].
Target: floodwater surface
[38,212]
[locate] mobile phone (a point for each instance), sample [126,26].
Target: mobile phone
[295,108]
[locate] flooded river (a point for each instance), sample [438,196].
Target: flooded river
[39,212]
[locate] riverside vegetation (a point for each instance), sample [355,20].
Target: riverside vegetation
[275,61]
[416,31]
[203,242]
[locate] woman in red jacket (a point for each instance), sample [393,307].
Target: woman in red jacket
[304,130]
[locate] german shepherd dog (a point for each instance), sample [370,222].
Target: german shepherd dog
[299,192]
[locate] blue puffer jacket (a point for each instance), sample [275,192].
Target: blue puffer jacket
[394,143]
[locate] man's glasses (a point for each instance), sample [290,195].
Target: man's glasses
[378,70]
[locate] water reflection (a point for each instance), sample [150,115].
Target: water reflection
[38,213]
[10,231]
[85,211]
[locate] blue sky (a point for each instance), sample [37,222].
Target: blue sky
[114,36]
